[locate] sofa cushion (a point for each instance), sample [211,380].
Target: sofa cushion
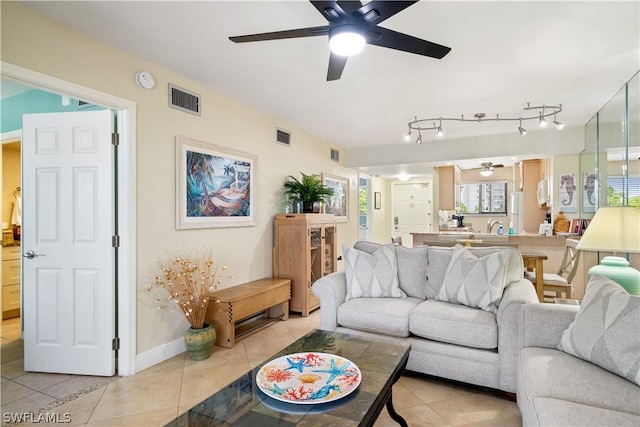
[475,282]
[412,270]
[550,373]
[454,324]
[561,413]
[372,275]
[388,316]
[606,330]
[438,260]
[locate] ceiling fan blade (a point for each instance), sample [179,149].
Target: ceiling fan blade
[336,66]
[278,35]
[498,166]
[349,6]
[392,39]
[331,10]
[377,11]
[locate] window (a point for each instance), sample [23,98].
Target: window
[616,191]
[484,198]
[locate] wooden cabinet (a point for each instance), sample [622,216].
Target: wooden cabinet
[448,188]
[10,281]
[305,249]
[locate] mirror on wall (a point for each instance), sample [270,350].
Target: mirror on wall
[610,165]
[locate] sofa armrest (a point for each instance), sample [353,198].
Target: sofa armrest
[542,325]
[515,295]
[332,291]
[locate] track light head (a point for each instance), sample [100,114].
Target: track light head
[439,130]
[419,140]
[407,136]
[522,130]
[559,125]
[542,122]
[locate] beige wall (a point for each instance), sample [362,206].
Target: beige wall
[10,178]
[35,42]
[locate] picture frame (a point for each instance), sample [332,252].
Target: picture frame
[377,200]
[568,192]
[215,186]
[590,189]
[338,203]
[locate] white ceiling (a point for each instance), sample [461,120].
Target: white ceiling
[504,54]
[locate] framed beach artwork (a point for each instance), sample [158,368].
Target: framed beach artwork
[338,203]
[568,193]
[215,186]
[589,192]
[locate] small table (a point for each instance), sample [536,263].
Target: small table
[242,403]
[231,306]
[534,259]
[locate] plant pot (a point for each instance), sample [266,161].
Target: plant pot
[310,207]
[200,342]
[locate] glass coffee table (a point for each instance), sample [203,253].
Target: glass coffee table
[242,403]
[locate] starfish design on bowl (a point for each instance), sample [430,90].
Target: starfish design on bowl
[295,365]
[334,371]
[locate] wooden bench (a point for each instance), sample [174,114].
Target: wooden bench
[230,309]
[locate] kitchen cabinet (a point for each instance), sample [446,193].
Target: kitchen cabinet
[305,249]
[448,188]
[534,215]
[10,281]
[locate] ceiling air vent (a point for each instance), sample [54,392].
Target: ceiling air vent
[283,137]
[184,100]
[335,155]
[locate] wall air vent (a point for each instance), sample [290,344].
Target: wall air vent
[283,137]
[335,155]
[184,100]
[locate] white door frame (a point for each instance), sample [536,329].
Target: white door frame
[127,197]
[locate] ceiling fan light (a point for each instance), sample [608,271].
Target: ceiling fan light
[486,172]
[346,40]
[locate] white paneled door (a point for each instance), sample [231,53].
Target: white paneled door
[68,264]
[411,209]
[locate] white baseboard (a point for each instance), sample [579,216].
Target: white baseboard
[159,354]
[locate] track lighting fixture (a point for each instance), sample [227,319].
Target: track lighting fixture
[407,136]
[522,130]
[420,124]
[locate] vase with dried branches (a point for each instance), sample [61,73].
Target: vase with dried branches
[187,283]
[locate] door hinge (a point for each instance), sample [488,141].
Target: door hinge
[115,343]
[115,241]
[115,139]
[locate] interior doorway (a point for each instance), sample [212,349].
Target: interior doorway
[411,209]
[364,207]
[124,187]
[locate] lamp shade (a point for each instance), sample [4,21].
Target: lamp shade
[613,229]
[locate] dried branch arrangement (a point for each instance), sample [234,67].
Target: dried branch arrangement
[188,283]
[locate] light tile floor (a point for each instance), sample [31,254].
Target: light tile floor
[156,395]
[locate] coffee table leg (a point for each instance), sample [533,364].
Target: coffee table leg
[393,414]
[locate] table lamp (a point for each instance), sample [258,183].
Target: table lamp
[615,229]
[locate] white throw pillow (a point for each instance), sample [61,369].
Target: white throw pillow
[475,282]
[606,330]
[372,275]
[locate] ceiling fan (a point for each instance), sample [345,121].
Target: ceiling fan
[486,168]
[351,26]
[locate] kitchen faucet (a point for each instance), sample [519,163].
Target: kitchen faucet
[490,225]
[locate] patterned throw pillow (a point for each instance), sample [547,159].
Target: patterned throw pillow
[606,330]
[372,275]
[475,282]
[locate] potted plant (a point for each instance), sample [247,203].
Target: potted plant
[186,283]
[309,190]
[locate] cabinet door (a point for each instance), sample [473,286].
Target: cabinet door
[10,297]
[11,272]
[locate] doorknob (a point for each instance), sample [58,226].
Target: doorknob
[31,255]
